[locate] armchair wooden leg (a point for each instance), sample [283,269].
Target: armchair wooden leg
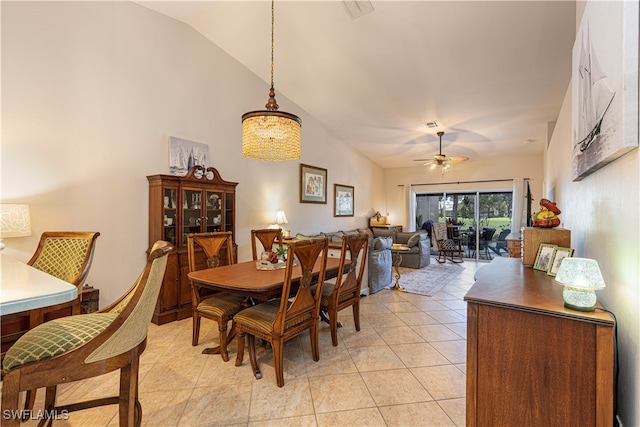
[10,398]
[254,359]
[196,328]
[333,323]
[315,349]
[29,401]
[129,391]
[278,360]
[240,355]
[222,332]
[356,315]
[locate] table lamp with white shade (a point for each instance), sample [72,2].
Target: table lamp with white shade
[281,218]
[581,277]
[15,221]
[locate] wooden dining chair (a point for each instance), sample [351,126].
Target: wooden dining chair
[344,291]
[220,307]
[280,319]
[267,237]
[88,345]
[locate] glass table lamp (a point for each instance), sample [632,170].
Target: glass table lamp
[581,277]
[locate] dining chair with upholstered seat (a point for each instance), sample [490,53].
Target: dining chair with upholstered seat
[449,248]
[344,291]
[267,237]
[88,345]
[217,248]
[66,255]
[281,319]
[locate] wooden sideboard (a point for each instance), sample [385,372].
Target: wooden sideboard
[530,360]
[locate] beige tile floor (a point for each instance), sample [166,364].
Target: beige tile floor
[406,367]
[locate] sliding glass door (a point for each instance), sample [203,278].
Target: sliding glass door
[479,220]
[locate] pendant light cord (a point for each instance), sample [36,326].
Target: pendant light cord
[272,37]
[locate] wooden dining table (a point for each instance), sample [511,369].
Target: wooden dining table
[246,279]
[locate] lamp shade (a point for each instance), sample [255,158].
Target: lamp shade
[583,273]
[581,277]
[271,135]
[281,218]
[15,221]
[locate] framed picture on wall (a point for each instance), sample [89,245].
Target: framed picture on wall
[604,86]
[185,154]
[545,255]
[343,200]
[558,255]
[313,184]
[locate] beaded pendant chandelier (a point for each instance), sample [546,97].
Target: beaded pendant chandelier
[271,134]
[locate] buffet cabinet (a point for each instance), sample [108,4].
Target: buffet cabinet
[530,360]
[201,201]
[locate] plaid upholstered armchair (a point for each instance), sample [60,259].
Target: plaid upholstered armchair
[88,345]
[66,255]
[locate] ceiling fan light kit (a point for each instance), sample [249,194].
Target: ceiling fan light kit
[271,134]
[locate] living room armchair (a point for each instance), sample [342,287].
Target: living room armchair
[380,263]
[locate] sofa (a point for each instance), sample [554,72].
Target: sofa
[377,275]
[419,253]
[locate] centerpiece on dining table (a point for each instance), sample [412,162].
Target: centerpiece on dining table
[271,260]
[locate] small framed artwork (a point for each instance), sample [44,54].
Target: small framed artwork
[545,254]
[343,200]
[313,184]
[184,154]
[558,255]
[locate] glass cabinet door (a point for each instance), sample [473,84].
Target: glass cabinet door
[228,212]
[169,215]
[191,213]
[214,209]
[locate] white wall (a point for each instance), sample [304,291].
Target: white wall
[91,92]
[602,213]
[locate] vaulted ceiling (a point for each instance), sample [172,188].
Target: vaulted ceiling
[492,74]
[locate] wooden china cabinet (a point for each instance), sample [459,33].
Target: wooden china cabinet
[201,201]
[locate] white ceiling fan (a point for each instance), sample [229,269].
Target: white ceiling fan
[442,161]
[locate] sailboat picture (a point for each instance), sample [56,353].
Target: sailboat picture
[184,154]
[604,95]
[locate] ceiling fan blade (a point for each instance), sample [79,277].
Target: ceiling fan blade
[427,162]
[454,160]
[458,159]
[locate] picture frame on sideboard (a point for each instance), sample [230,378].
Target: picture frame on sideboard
[544,257]
[558,255]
